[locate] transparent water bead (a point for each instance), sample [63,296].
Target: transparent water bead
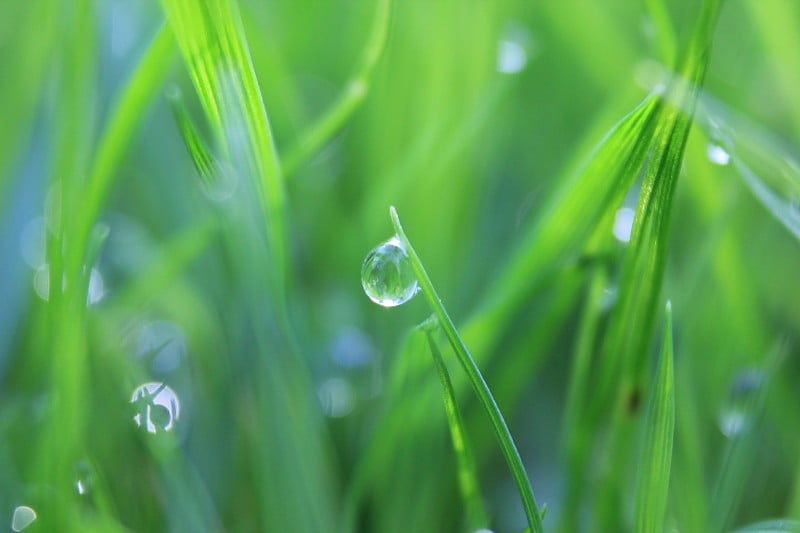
[387,276]
[157,407]
[22,518]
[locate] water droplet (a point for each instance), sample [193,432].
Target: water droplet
[717,154]
[41,284]
[387,276]
[623,224]
[337,397]
[83,477]
[736,415]
[351,348]
[484,530]
[157,407]
[22,518]
[732,422]
[512,49]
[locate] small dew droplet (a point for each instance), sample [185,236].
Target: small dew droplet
[736,415]
[387,276]
[718,155]
[22,518]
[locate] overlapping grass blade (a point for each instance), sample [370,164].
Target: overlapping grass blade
[215,50]
[771,526]
[476,516]
[502,432]
[652,486]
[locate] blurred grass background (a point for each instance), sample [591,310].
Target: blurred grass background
[297,417]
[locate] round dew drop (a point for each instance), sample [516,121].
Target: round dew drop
[387,276]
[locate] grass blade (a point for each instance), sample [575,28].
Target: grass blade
[476,380]
[354,93]
[214,48]
[467,475]
[654,466]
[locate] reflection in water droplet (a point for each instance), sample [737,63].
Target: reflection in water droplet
[32,242]
[351,348]
[717,154]
[337,397]
[387,276]
[22,518]
[157,407]
[41,284]
[483,531]
[736,415]
[623,224]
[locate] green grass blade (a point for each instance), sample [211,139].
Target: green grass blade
[140,90]
[215,50]
[476,380]
[652,487]
[354,93]
[665,33]
[467,474]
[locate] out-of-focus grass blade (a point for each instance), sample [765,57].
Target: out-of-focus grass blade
[772,526]
[127,112]
[354,93]
[214,48]
[665,33]
[467,475]
[209,169]
[742,447]
[25,57]
[574,437]
[652,486]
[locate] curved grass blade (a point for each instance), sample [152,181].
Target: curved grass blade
[652,487]
[354,93]
[482,390]
[467,475]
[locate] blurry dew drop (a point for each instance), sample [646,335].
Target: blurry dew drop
[387,276]
[717,154]
[157,407]
[337,397]
[22,518]
[41,284]
[623,224]
[736,414]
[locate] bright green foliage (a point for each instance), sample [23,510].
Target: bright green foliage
[189,189]
[652,487]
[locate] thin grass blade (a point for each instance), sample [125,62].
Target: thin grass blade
[652,487]
[467,476]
